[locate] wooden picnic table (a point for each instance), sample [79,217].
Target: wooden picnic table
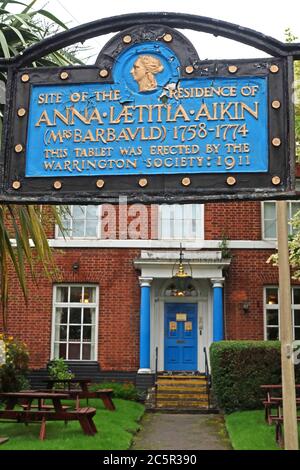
[273,399]
[83,392]
[58,413]
[83,383]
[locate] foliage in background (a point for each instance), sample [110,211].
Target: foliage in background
[238,368]
[126,391]
[290,37]
[59,370]
[13,371]
[294,239]
[223,245]
[19,30]
[294,248]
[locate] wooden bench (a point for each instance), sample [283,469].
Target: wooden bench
[105,394]
[272,402]
[278,430]
[83,415]
[25,406]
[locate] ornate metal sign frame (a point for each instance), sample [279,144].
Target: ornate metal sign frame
[277,182]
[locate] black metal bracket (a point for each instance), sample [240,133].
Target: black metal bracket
[173,20]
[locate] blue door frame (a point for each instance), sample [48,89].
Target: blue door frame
[181,342]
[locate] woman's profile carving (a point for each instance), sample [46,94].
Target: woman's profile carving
[144,70]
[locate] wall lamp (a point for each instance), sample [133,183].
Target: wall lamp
[75,266]
[245,307]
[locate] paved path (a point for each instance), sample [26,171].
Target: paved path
[162,431]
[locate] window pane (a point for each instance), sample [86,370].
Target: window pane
[75,315]
[61,315]
[297,317]
[296,293]
[270,210]
[74,333]
[74,351]
[78,228]
[90,295]
[295,207]
[86,352]
[92,212]
[62,333]
[66,223]
[62,351]
[57,327]
[62,294]
[78,212]
[272,296]
[91,228]
[56,350]
[88,315]
[297,333]
[269,220]
[272,334]
[76,294]
[272,317]
[87,334]
[180,221]
[270,229]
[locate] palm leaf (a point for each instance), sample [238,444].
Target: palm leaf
[4,45]
[19,225]
[51,17]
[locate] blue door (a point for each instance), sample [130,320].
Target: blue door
[180,336]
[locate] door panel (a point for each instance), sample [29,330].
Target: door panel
[180,336]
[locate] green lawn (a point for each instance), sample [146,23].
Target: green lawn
[248,431]
[115,431]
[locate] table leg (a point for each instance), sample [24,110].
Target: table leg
[108,403]
[92,424]
[43,429]
[85,425]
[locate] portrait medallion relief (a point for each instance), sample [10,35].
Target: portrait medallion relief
[144,70]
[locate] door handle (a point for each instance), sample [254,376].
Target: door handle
[180,341]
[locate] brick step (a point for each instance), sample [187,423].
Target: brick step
[182,396]
[181,382]
[185,399]
[180,376]
[182,387]
[182,404]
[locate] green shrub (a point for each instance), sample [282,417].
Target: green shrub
[13,371]
[127,391]
[59,370]
[238,368]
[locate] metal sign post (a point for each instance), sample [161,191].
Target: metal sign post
[286,332]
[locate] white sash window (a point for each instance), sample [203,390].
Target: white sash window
[181,222]
[271,307]
[80,222]
[74,332]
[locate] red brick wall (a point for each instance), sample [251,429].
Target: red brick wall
[245,280]
[113,271]
[236,220]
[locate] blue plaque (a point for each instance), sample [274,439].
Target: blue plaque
[148,120]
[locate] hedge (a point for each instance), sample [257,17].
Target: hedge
[238,368]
